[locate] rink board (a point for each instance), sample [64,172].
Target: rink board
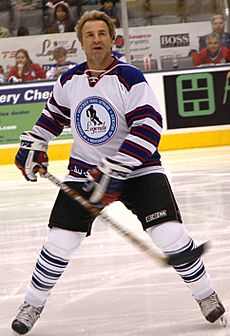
[60,150]
[194,104]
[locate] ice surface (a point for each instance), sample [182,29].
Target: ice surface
[111,288]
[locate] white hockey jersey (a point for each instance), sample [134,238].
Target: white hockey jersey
[116,116]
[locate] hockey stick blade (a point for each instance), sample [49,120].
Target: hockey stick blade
[172,260]
[187,256]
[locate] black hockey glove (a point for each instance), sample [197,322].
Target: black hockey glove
[106,182]
[31,155]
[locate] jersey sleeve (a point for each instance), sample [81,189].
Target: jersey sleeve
[55,115]
[145,126]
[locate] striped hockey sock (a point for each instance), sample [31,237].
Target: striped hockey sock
[171,237]
[192,271]
[194,275]
[48,270]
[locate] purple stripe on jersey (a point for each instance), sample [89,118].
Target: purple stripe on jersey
[63,109]
[122,80]
[143,112]
[154,161]
[68,77]
[59,118]
[128,78]
[147,133]
[77,70]
[115,62]
[50,125]
[79,168]
[133,149]
[71,173]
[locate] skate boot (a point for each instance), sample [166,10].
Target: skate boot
[212,308]
[26,318]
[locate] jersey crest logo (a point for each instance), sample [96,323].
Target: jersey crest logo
[92,115]
[95,120]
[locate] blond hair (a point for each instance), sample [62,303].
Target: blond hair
[213,36]
[94,15]
[218,16]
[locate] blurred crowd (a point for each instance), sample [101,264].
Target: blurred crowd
[25,69]
[17,16]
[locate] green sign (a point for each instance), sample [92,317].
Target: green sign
[20,107]
[195,94]
[16,119]
[197,99]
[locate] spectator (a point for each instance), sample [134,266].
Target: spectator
[2,76]
[6,15]
[214,53]
[62,65]
[218,23]
[5,5]
[4,32]
[109,8]
[192,53]
[26,4]
[62,21]
[23,31]
[24,69]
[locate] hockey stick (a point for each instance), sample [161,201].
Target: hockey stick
[172,260]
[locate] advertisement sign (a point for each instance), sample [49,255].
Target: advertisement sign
[163,41]
[188,99]
[20,107]
[197,99]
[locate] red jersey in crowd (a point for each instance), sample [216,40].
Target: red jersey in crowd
[35,72]
[204,57]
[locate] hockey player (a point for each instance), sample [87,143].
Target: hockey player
[118,160]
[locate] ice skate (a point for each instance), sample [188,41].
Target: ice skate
[213,309]
[26,318]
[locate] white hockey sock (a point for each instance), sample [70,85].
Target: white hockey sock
[51,263]
[172,237]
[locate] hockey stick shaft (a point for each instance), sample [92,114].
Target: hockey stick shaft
[172,260]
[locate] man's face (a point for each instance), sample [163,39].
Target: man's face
[218,25]
[96,40]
